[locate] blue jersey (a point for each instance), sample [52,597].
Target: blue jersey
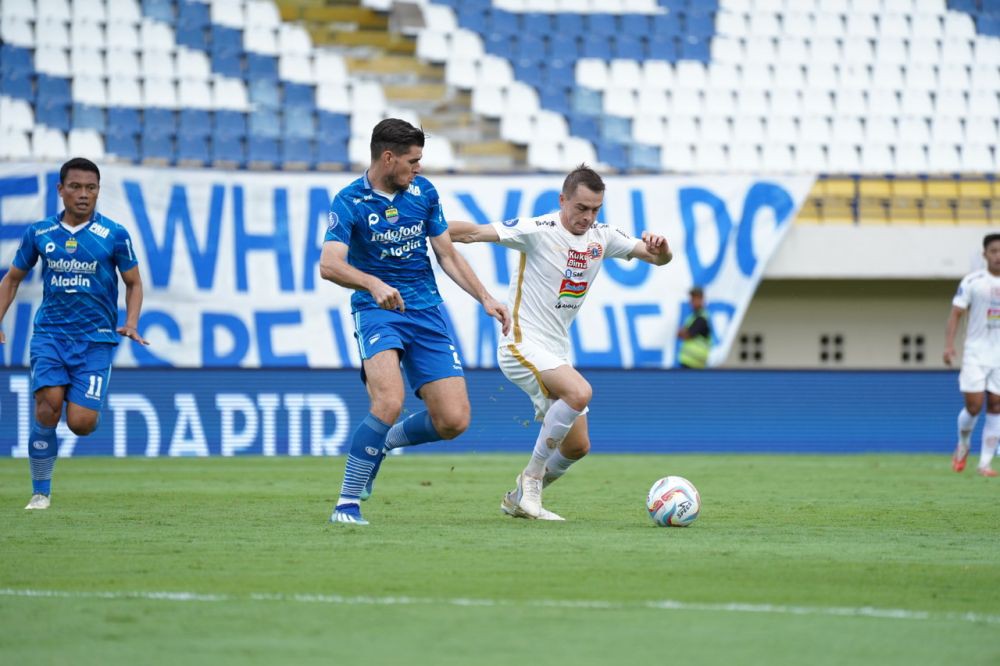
[79,283]
[389,238]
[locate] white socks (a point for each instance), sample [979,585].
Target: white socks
[966,424]
[556,467]
[991,436]
[555,427]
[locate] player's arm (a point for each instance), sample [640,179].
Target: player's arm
[133,305]
[461,273]
[333,266]
[949,334]
[469,232]
[8,290]
[653,249]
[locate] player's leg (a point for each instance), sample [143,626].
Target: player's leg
[385,389]
[991,430]
[571,394]
[972,383]
[49,379]
[573,448]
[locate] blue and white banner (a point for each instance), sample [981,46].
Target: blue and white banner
[230,262]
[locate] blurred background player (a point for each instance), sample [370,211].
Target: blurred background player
[74,332]
[695,333]
[377,244]
[562,253]
[979,295]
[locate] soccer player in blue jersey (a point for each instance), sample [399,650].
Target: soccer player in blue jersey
[75,335]
[380,229]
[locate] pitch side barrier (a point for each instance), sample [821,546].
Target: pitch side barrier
[299,412]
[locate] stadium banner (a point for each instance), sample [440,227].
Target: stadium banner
[308,412]
[230,262]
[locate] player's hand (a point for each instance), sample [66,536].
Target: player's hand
[3,338]
[498,311]
[949,356]
[655,243]
[131,333]
[388,298]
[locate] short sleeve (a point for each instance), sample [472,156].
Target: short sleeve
[340,221]
[124,253]
[619,244]
[963,297]
[436,224]
[520,233]
[27,253]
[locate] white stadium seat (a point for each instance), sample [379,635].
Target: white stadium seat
[48,144]
[86,143]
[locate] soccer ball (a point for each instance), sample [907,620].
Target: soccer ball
[673,501]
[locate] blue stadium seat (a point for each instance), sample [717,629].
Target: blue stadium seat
[596,48]
[563,50]
[264,124]
[53,115]
[299,123]
[537,24]
[263,151]
[264,94]
[644,158]
[229,125]
[16,58]
[194,123]
[261,66]
[334,126]
[597,26]
[636,25]
[53,89]
[500,44]
[613,154]
[666,25]
[663,47]
[17,84]
[967,6]
[472,18]
[161,10]
[629,47]
[615,129]
[555,99]
[193,14]
[587,101]
[225,39]
[123,121]
[568,24]
[194,37]
[159,122]
[500,21]
[298,151]
[988,24]
[332,150]
[693,48]
[300,95]
[529,71]
[585,127]
[193,149]
[529,47]
[88,117]
[699,25]
[227,63]
[560,73]
[122,144]
[228,149]
[157,147]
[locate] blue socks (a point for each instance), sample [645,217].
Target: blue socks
[43,447]
[415,429]
[366,452]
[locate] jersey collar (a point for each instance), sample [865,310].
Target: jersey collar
[77,229]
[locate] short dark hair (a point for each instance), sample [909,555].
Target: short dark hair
[395,135]
[989,239]
[582,175]
[80,164]
[696,291]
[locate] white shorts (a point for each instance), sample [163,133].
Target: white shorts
[979,378]
[523,363]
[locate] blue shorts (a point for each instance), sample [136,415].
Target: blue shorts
[83,367]
[427,349]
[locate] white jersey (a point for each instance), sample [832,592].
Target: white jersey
[979,293]
[555,273]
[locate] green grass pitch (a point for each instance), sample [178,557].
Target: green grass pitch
[794,560]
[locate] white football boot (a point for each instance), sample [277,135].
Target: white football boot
[38,501]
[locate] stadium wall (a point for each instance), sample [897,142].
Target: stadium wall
[270,412]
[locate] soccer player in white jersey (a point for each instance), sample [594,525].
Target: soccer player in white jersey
[561,255]
[76,327]
[979,295]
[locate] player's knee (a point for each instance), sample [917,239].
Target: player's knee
[579,397]
[387,409]
[452,425]
[82,426]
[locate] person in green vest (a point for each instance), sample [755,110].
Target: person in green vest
[695,333]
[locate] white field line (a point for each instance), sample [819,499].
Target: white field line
[336,599]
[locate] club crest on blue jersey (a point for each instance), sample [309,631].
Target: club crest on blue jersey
[391,215]
[71,245]
[332,221]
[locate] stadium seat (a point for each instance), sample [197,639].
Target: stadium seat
[48,143]
[86,143]
[228,151]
